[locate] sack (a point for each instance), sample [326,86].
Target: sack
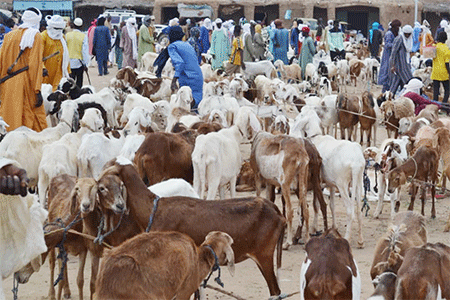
[429,51]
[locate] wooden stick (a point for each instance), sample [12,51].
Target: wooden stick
[224,292]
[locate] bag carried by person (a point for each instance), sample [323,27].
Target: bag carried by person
[429,51]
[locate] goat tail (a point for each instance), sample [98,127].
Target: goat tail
[280,250]
[200,165]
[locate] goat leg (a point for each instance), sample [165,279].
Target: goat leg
[433,194]
[80,275]
[413,196]
[422,199]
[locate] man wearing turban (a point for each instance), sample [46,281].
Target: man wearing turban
[20,95]
[399,62]
[55,46]
[220,46]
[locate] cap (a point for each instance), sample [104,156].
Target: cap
[78,22]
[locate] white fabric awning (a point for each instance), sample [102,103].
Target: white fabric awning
[195,11]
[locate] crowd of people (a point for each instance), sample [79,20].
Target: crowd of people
[62,52]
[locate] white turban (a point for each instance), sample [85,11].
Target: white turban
[443,24]
[207,23]
[407,29]
[218,20]
[414,85]
[31,21]
[55,27]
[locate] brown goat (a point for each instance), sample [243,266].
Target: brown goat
[329,270]
[408,230]
[368,118]
[165,155]
[147,86]
[161,265]
[348,120]
[425,273]
[206,127]
[422,166]
[128,75]
[246,179]
[441,142]
[256,225]
[279,161]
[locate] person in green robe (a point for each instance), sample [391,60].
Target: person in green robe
[308,50]
[220,46]
[146,41]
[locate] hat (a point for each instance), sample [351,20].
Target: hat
[218,20]
[78,22]
[305,29]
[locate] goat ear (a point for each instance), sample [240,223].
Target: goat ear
[124,192]
[73,201]
[230,258]
[94,195]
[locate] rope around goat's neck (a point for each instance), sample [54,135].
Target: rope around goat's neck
[215,267]
[415,170]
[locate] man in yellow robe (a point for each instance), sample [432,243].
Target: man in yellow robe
[20,96]
[54,42]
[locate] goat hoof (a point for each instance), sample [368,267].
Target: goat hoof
[360,245]
[67,296]
[447,228]
[286,246]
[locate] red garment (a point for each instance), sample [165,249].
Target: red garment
[419,101]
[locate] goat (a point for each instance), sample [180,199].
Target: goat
[26,147]
[348,109]
[216,157]
[165,155]
[263,67]
[135,100]
[367,117]
[343,165]
[329,270]
[356,69]
[407,230]
[441,142]
[280,161]
[422,166]
[256,225]
[164,265]
[424,273]
[68,85]
[147,86]
[60,157]
[289,72]
[147,60]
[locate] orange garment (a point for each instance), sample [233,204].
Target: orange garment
[18,94]
[54,64]
[428,40]
[238,44]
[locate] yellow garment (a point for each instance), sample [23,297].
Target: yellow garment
[238,44]
[442,56]
[428,40]
[54,64]
[75,44]
[18,94]
[258,28]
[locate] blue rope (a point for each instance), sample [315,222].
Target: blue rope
[215,267]
[100,238]
[152,215]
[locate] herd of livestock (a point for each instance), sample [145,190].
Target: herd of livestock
[130,167]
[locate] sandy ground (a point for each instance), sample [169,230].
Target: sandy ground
[248,283]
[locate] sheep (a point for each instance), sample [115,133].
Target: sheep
[263,67]
[60,157]
[329,270]
[407,230]
[147,60]
[367,117]
[216,157]
[348,110]
[26,146]
[328,114]
[289,72]
[311,73]
[424,273]
[165,155]
[196,218]
[280,161]
[171,266]
[422,166]
[343,165]
[393,111]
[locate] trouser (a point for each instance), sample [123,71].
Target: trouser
[77,75]
[337,54]
[436,86]
[102,67]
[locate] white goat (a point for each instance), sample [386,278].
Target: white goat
[131,145]
[139,118]
[217,158]
[106,98]
[60,157]
[263,67]
[164,91]
[343,166]
[135,100]
[26,146]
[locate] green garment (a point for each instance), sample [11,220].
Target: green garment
[306,54]
[146,42]
[220,48]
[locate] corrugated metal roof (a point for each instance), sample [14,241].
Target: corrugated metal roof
[436,7]
[116,3]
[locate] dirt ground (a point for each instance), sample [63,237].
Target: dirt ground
[248,283]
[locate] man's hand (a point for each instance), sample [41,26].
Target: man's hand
[44,72]
[39,99]
[13,181]
[213,56]
[174,85]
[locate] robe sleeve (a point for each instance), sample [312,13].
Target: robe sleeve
[177,61]
[36,64]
